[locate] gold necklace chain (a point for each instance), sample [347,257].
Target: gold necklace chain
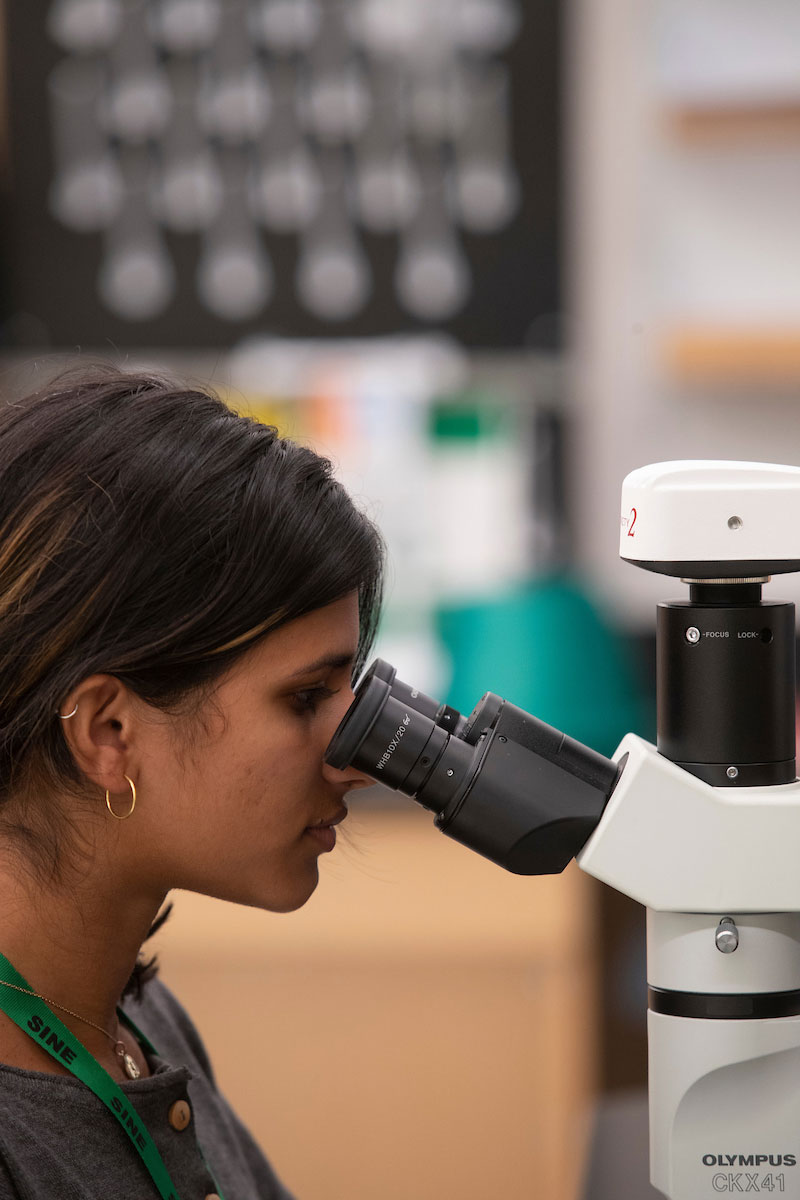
[127,1062]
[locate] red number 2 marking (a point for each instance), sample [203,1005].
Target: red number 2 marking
[633,522]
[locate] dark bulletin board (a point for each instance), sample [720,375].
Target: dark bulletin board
[51,271]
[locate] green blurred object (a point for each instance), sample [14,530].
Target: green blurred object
[469,416]
[547,648]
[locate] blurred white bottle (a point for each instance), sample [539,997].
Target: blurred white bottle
[480,469]
[235,279]
[285,185]
[184,27]
[485,185]
[393,32]
[485,27]
[136,280]
[333,279]
[386,183]
[438,98]
[333,96]
[187,188]
[285,27]
[84,26]
[432,276]
[138,101]
[234,99]
[87,187]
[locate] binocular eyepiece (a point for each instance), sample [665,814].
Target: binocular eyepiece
[500,781]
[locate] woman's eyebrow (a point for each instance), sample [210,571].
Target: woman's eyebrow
[334,662]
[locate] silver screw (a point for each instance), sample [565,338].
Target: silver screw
[735,522]
[732,772]
[693,635]
[727,936]
[450,771]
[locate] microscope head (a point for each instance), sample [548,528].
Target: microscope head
[705,519]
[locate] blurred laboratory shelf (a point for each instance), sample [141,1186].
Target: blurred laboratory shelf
[733,357]
[707,124]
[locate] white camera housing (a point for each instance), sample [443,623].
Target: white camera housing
[710,519]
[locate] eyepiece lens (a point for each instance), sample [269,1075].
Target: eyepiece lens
[370,698]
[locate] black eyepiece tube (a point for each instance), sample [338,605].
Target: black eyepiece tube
[502,782]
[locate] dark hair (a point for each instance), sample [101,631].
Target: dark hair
[149,532]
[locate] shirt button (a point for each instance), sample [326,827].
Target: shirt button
[180,1114]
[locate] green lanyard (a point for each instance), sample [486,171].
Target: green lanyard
[36,1019]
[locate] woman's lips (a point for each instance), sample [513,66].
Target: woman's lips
[323,835]
[324,831]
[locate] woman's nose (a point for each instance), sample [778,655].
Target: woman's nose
[349,777]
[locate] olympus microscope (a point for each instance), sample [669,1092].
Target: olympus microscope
[703,830]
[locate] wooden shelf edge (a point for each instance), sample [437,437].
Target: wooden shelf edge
[733,355]
[700,123]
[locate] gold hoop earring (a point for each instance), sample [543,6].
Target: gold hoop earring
[129,813]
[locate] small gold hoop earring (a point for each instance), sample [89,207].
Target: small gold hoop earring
[129,813]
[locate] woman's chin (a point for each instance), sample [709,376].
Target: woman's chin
[285,897]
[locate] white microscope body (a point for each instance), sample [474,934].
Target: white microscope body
[711,847]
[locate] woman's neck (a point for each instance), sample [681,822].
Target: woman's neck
[76,945]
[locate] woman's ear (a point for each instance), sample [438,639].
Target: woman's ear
[98,722]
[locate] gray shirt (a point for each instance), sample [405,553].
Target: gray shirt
[58,1140]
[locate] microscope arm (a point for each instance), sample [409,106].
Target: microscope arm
[676,844]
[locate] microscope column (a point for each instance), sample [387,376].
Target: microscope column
[724,1047]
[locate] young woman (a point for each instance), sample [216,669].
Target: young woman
[185,598]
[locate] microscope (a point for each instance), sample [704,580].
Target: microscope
[703,830]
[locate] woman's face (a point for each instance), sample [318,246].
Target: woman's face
[240,803]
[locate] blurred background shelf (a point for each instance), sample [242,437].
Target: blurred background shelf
[733,357]
[701,125]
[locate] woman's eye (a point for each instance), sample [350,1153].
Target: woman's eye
[308,700]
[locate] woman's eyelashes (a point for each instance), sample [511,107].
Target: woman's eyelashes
[308,700]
